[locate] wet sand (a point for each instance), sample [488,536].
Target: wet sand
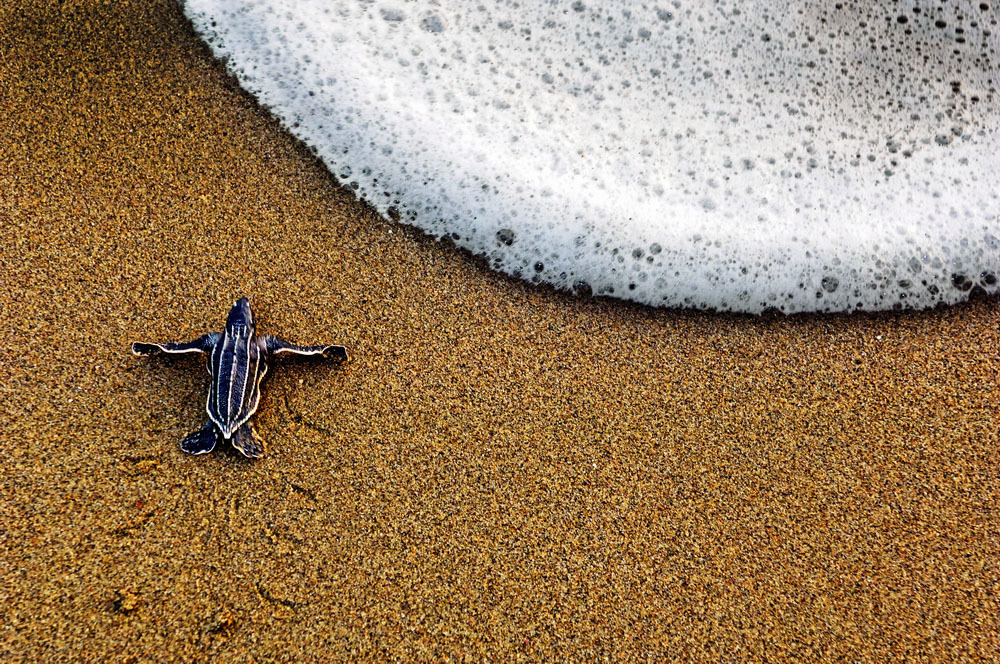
[501,472]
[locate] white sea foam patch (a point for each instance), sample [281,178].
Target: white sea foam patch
[705,153]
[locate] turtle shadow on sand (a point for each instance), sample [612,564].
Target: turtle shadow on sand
[237,362]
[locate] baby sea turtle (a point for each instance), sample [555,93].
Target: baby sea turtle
[237,361]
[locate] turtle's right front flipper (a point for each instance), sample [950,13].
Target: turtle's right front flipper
[202,344]
[277,346]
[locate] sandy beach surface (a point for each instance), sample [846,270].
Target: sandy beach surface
[501,472]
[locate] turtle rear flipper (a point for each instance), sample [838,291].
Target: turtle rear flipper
[201,441]
[246,440]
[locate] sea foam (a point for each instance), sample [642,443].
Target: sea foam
[785,154]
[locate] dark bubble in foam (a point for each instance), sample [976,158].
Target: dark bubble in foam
[506,236]
[432,23]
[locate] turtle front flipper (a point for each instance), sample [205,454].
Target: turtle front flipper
[276,346]
[200,345]
[201,441]
[246,440]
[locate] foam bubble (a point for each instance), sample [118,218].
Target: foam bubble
[743,156]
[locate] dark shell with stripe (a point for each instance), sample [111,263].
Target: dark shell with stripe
[237,364]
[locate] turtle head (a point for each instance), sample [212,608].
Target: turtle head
[240,316]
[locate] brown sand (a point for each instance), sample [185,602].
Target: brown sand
[501,471]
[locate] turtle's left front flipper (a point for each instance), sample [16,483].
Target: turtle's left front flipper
[202,344]
[276,346]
